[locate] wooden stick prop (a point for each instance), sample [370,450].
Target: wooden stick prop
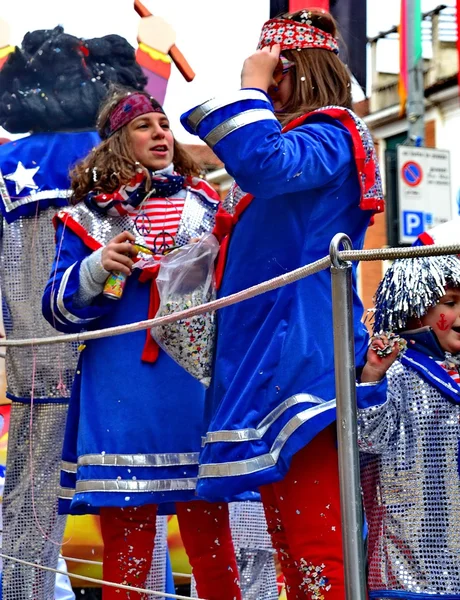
[176,55]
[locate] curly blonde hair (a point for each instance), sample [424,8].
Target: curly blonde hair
[111,164]
[321,78]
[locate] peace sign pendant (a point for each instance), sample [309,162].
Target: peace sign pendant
[142,224]
[163,241]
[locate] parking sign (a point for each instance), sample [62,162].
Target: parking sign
[413,223]
[424,190]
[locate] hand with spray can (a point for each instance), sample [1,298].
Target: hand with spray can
[116,258]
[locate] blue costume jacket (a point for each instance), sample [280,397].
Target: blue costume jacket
[273,385]
[134,428]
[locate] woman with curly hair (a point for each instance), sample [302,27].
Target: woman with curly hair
[135,418]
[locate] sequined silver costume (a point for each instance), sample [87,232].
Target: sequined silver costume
[411,483]
[32,529]
[36,431]
[254,552]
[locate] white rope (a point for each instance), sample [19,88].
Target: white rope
[256,290]
[393,253]
[99,563]
[119,586]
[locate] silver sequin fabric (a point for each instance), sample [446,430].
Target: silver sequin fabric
[33,459]
[101,227]
[27,253]
[156,579]
[234,195]
[254,552]
[411,487]
[197,217]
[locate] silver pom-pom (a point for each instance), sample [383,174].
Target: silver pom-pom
[389,340]
[410,287]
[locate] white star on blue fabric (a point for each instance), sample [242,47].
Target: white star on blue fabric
[23,178]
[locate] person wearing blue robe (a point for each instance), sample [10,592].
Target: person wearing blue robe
[308,167]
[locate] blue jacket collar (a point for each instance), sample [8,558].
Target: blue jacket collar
[422,353]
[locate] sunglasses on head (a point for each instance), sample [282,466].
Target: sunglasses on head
[282,69]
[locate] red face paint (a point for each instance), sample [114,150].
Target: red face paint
[442,324]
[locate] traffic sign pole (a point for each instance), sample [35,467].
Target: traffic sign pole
[416,87]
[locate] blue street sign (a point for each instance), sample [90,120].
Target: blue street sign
[413,223]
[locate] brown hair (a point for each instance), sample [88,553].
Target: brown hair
[319,77]
[111,164]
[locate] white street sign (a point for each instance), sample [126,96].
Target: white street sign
[423,189]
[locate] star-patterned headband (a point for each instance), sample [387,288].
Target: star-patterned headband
[130,107]
[292,35]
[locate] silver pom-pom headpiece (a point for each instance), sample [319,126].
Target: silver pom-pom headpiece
[410,287]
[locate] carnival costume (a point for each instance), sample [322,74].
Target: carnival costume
[318,176]
[273,394]
[112,458]
[34,184]
[255,555]
[409,432]
[39,391]
[132,441]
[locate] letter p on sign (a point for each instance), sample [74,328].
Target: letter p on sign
[413,223]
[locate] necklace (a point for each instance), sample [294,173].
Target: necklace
[145,226]
[142,222]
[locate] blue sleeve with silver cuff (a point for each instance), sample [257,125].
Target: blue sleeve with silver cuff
[244,132]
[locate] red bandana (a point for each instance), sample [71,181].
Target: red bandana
[129,108]
[292,35]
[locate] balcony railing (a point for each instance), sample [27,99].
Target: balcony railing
[439,38]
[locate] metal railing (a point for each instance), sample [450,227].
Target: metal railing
[339,262]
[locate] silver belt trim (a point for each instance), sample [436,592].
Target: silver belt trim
[246,435]
[128,485]
[214,104]
[245,118]
[66,493]
[265,461]
[138,460]
[68,467]
[60,300]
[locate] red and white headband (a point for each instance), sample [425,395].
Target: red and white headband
[292,35]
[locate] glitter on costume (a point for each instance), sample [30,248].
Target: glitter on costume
[51,87]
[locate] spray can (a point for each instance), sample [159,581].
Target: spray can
[116,281]
[114,285]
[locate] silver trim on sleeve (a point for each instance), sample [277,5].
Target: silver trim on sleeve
[240,120]
[205,109]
